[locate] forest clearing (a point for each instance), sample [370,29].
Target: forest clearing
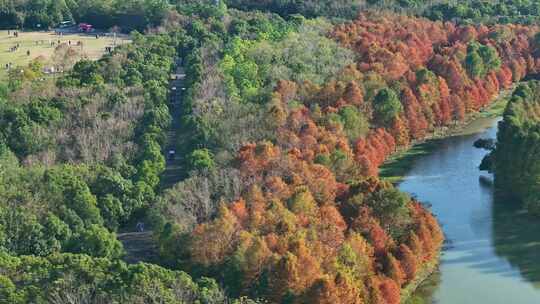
[40,44]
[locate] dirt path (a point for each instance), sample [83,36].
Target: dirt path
[174,171]
[141,246]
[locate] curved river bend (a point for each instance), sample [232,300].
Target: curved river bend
[492,253]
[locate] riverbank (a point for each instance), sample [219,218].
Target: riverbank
[422,275]
[399,163]
[489,256]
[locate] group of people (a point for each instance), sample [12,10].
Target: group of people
[14,48]
[15,33]
[40,42]
[53,43]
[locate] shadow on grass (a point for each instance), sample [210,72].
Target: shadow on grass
[395,169]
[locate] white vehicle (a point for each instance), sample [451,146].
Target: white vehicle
[171,154]
[65,24]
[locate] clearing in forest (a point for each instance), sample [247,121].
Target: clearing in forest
[41,44]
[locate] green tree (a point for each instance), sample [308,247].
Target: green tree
[474,64]
[99,242]
[490,57]
[201,159]
[386,106]
[481,59]
[8,292]
[354,122]
[391,206]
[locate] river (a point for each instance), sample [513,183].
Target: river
[492,253]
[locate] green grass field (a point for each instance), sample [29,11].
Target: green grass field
[92,48]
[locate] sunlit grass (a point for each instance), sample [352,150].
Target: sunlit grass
[399,164]
[92,48]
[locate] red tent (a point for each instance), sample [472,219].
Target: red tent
[85,27]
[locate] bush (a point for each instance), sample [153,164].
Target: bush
[201,159]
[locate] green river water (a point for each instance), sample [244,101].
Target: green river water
[492,253]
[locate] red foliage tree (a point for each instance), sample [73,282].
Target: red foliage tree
[408,261]
[390,291]
[394,270]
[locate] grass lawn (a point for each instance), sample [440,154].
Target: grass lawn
[92,48]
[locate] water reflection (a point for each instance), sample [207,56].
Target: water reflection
[516,237]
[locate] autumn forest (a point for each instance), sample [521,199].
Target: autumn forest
[259,182]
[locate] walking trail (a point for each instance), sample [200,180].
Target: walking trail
[140,246]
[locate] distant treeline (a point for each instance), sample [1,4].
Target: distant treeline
[140,14]
[344,9]
[468,11]
[128,14]
[481,11]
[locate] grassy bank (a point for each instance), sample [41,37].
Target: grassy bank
[395,168]
[401,162]
[407,293]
